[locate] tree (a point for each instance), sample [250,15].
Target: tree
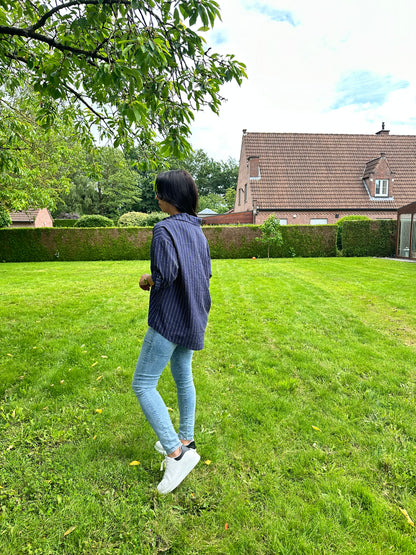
[230,194]
[106,184]
[214,202]
[271,234]
[210,175]
[133,71]
[34,164]
[214,180]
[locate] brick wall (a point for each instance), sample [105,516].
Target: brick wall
[304,218]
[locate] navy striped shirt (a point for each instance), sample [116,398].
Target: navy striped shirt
[181,269]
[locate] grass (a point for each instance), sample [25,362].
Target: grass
[306,419]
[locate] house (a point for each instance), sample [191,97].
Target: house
[32,218]
[305,178]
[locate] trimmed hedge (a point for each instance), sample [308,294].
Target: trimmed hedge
[48,243]
[298,240]
[132,243]
[340,224]
[369,238]
[64,223]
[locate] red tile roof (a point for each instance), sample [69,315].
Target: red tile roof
[325,171]
[24,216]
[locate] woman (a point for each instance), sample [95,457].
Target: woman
[178,314]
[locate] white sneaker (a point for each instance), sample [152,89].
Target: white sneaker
[177,471]
[159,447]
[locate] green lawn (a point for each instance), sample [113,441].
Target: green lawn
[306,419]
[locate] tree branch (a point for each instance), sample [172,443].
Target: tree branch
[41,22]
[26,33]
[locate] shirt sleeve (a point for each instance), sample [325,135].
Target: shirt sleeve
[164,259]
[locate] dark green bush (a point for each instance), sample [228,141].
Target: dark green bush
[369,238]
[57,222]
[340,224]
[94,220]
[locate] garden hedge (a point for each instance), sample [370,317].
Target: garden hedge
[63,223]
[369,238]
[133,243]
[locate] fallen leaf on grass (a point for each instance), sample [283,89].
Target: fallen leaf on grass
[99,411]
[208,462]
[99,378]
[9,355]
[134,463]
[94,364]
[406,514]
[170,409]
[226,526]
[316,428]
[104,356]
[69,531]
[94,437]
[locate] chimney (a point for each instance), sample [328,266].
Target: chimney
[383,131]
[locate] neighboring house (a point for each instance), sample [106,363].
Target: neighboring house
[318,178]
[32,218]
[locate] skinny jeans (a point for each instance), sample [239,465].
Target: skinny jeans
[154,356]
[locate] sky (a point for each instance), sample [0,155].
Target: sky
[313,66]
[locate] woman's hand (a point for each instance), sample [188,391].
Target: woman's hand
[146,282]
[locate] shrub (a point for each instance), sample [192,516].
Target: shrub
[94,220]
[140,219]
[57,222]
[369,238]
[339,227]
[132,219]
[155,217]
[5,219]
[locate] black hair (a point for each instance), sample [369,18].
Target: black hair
[178,188]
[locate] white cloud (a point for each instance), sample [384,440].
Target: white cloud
[314,67]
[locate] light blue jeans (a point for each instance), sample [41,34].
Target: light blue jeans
[154,356]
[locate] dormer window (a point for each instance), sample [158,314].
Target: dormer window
[378,179]
[382,188]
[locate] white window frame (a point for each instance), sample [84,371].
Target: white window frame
[382,185]
[318,221]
